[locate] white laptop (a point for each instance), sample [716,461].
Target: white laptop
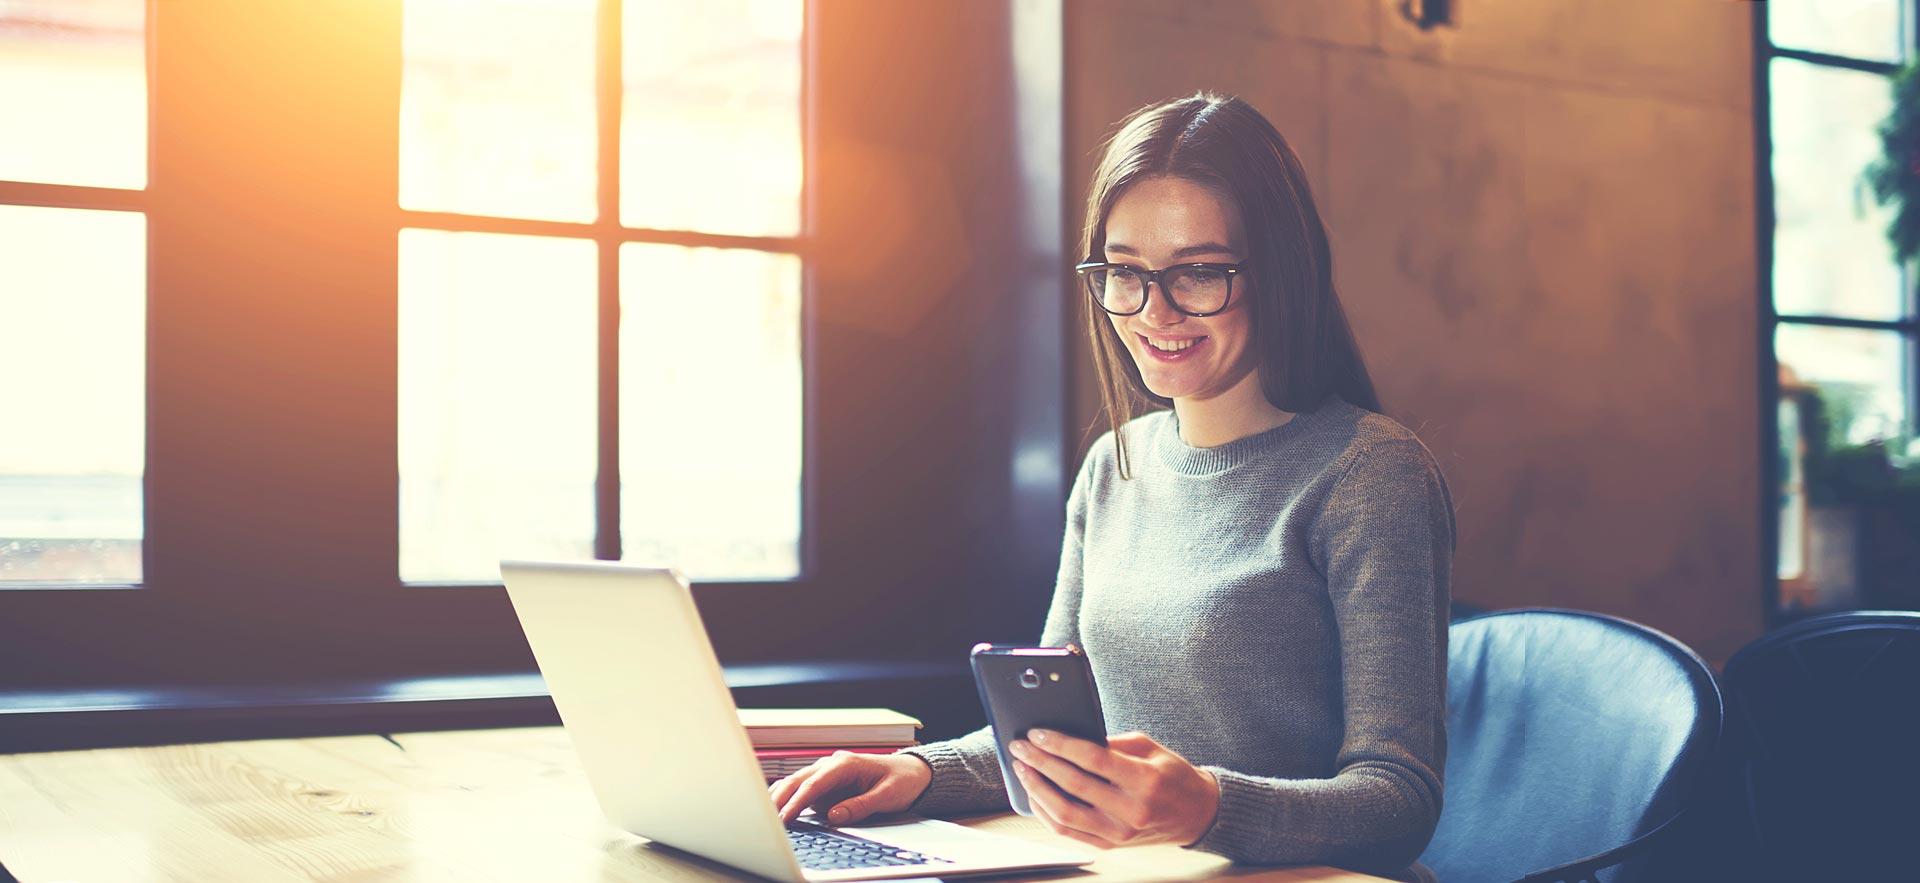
[642,697]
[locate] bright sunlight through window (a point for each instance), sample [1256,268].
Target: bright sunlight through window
[514,222]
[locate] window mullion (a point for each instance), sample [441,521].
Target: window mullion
[72,196]
[607,193]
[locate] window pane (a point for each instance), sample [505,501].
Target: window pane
[1857,373]
[1831,255]
[710,416]
[497,108]
[1792,492]
[710,132]
[73,92]
[1854,28]
[73,288]
[497,402]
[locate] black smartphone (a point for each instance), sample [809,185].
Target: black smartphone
[1027,687]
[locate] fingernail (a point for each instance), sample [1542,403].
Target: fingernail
[838,814]
[1040,736]
[1019,748]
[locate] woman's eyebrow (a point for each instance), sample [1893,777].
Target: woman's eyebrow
[1187,252]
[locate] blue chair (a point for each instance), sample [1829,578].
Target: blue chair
[1823,749]
[1574,739]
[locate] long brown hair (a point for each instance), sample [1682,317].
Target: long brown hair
[1307,349]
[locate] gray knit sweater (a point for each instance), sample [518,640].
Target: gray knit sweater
[1275,610]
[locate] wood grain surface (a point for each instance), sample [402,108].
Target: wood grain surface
[483,805]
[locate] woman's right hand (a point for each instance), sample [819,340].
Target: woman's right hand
[849,786]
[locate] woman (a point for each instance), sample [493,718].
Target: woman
[1259,573]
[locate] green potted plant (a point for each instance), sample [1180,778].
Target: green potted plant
[1895,176]
[1879,479]
[1864,504]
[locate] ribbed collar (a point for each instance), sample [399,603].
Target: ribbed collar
[1188,460]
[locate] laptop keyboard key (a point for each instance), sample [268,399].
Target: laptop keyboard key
[824,849]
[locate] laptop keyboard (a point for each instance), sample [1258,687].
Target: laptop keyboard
[824,849]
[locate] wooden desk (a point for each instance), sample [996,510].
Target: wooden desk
[469,806]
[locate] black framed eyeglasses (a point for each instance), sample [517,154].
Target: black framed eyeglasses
[1193,289]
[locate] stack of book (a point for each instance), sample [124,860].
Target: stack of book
[787,739]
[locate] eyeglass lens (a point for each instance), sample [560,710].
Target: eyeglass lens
[1194,289]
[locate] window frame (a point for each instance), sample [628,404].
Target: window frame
[608,234]
[81,196]
[271,528]
[1764,53]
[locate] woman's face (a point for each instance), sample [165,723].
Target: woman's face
[1159,222]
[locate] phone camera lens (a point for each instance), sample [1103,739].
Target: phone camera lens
[1030,679]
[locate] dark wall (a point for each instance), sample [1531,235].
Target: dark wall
[1542,223]
[940,381]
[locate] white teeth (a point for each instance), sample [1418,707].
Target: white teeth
[1172,346]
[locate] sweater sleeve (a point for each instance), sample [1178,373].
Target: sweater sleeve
[1384,541]
[966,771]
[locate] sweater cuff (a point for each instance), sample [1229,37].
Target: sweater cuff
[1242,819]
[953,787]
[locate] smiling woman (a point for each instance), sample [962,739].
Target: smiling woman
[1224,186]
[1263,596]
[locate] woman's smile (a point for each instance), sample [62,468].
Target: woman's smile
[1171,349]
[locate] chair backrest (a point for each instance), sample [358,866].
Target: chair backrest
[1569,734]
[1823,746]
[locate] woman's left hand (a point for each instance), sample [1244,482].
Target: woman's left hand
[1136,791]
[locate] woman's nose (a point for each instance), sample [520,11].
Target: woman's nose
[1159,310]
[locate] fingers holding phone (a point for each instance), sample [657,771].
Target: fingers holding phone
[1128,792]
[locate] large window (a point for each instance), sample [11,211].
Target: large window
[73,165]
[567,167]
[528,425]
[1841,313]
[305,306]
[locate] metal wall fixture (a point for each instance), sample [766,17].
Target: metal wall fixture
[1428,14]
